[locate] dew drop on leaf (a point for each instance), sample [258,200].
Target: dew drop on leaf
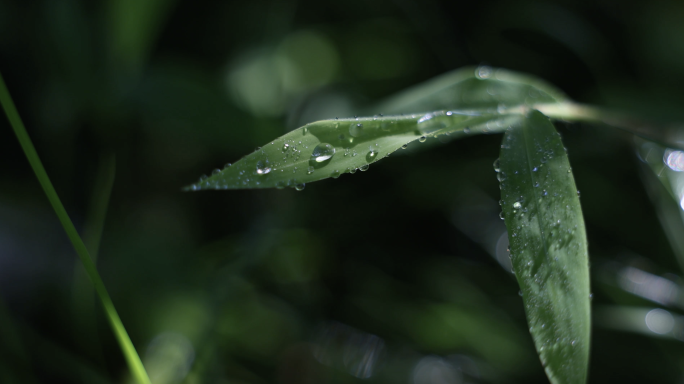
[262,167]
[363,168]
[497,165]
[323,152]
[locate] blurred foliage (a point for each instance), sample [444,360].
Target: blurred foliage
[388,276]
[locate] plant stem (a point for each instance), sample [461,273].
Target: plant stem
[132,358]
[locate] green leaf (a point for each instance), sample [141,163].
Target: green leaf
[470,87]
[329,148]
[548,245]
[491,101]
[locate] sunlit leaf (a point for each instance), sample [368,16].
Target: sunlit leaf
[489,100]
[548,245]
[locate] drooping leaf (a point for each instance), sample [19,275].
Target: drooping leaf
[548,245]
[489,101]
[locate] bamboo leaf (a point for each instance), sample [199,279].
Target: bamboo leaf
[548,245]
[470,87]
[329,148]
[491,101]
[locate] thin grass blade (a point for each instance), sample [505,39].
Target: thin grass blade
[132,358]
[548,245]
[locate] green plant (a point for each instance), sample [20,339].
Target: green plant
[540,202]
[129,352]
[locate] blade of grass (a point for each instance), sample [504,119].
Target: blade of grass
[548,245]
[83,307]
[130,354]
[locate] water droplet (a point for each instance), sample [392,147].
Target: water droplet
[203,177]
[578,193]
[500,176]
[534,169]
[569,170]
[517,205]
[356,129]
[352,171]
[323,152]
[422,139]
[335,174]
[483,72]
[674,160]
[466,130]
[227,165]
[544,193]
[286,146]
[497,165]
[300,186]
[262,167]
[215,172]
[372,152]
[310,170]
[520,293]
[363,168]
[404,146]
[501,215]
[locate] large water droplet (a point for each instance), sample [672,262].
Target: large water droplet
[497,165]
[262,167]
[300,186]
[422,139]
[323,152]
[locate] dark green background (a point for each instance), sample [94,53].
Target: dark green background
[253,280]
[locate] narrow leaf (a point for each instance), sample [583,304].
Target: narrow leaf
[329,148]
[548,245]
[470,87]
[488,100]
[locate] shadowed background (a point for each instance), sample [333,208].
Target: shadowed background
[395,275]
